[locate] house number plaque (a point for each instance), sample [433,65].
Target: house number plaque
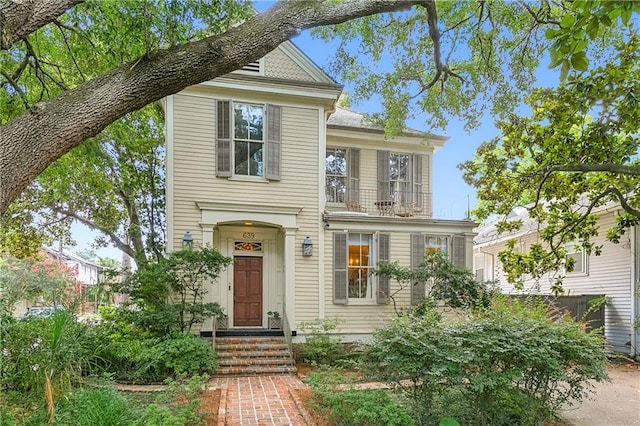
[248,235]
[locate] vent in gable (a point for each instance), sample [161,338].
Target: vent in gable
[252,68]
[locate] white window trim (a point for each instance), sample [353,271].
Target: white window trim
[372,279]
[346,175]
[572,249]
[234,175]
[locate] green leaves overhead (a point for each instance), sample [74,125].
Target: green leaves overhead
[99,35]
[574,154]
[468,59]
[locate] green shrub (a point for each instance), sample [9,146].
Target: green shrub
[179,405]
[138,358]
[321,347]
[97,406]
[510,364]
[351,407]
[43,352]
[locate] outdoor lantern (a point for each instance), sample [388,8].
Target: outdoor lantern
[307,247]
[187,241]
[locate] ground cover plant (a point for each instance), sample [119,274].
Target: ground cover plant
[509,364]
[341,403]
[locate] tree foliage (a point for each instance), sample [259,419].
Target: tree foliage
[466,59]
[170,293]
[65,76]
[39,277]
[445,282]
[113,184]
[509,364]
[575,154]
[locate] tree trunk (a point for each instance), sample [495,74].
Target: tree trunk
[33,140]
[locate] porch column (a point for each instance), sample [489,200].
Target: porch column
[212,288]
[289,275]
[207,234]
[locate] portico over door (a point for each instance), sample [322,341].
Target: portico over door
[247,291]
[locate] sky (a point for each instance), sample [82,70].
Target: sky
[452,197]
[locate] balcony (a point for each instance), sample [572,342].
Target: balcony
[372,202]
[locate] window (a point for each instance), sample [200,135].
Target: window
[342,176]
[455,246]
[360,261]
[433,244]
[400,180]
[354,255]
[248,140]
[336,175]
[578,257]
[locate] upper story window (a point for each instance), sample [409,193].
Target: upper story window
[248,140]
[342,176]
[400,180]
[400,177]
[336,175]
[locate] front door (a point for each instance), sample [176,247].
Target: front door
[247,291]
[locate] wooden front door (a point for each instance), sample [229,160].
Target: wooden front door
[247,291]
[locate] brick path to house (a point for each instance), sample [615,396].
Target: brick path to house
[260,401]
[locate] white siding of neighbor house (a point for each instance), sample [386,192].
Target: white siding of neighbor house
[609,274]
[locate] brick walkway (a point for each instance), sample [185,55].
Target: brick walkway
[260,401]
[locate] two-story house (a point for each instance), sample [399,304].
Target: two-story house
[306,197]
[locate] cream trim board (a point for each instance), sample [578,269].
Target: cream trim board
[169,182]
[277,89]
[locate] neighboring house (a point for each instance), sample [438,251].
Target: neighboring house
[615,273]
[261,161]
[87,272]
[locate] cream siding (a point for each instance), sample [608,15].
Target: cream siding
[279,65]
[194,179]
[609,274]
[215,209]
[363,319]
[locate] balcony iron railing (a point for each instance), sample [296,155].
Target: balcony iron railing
[379,203]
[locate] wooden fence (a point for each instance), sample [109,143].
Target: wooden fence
[580,307]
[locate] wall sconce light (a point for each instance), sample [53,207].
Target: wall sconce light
[187,241]
[307,247]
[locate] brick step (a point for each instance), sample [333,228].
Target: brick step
[253,354]
[255,361]
[254,370]
[249,339]
[252,349]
